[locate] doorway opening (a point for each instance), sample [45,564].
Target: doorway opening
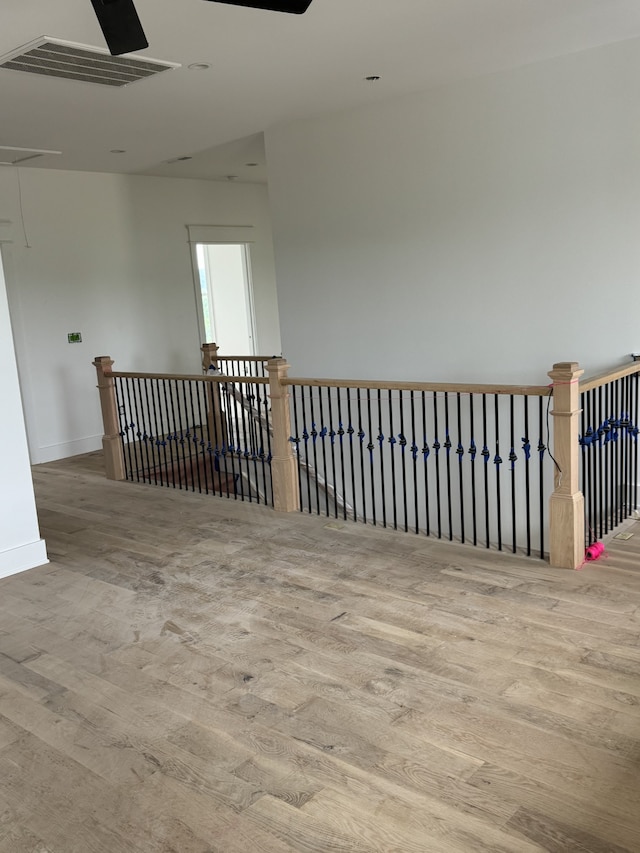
[225,303]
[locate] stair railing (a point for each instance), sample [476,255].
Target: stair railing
[494,465]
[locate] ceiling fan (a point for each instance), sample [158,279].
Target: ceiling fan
[123,31]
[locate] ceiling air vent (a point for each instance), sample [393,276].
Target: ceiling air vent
[54,58]
[10,156]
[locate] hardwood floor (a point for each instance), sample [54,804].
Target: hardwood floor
[192,674]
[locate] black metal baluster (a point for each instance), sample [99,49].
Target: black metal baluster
[133,426]
[402,441]
[175,446]
[414,454]
[526,447]
[607,455]
[541,450]
[314,439]
[473,450]
[436,450]
[447,447]
[184,434]
[297,439]
[178,435]
[350,433]
[383,490]
[194,452]
[306,437]
[150,432]
[215,442]
[485,457]
[161,441]
[136,432]
[323,437]
[512,460]
[595,451]
[165,425]
[425,457]
[460,454]
[361,443]
[186,442]
[628,445]
[598,464]
[620,417]
[370,447]
[237,435]
[242,442]
[267,416]
[200,443]
[392,445]
[263,420]
[589,437]
[585,405]
[497,462]
[631,478]
[584,476]
[342,452]
[142,431]
[620,449]
[593,461]
[124,428]
[636,425]
[613,417]
[249,453]
[227,437]
[332,445]
[172,436]
[167,434]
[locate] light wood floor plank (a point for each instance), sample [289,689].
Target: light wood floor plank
[198,675]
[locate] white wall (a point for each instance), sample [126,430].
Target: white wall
[20,544]
[108,256]
[478,232]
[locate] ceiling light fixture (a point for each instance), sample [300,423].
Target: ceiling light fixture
[199,66]
[118,151]
[373,78]
[178,159]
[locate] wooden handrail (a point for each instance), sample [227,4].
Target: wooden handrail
[451,387]
[609,376]
[206,377]
[245,357]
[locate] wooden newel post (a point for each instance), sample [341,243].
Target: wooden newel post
[286,494]
[566,507]
[215,415]
[111,442]
[209,357]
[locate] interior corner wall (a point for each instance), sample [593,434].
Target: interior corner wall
[20,544]
[108,256]
[479,232]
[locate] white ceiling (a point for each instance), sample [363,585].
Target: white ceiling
[266,68]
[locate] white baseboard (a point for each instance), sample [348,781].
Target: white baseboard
[66,449]
[25,557]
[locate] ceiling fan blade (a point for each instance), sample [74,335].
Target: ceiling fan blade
[297,7]
[121,25]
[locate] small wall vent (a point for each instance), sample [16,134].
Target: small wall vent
[51,57]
